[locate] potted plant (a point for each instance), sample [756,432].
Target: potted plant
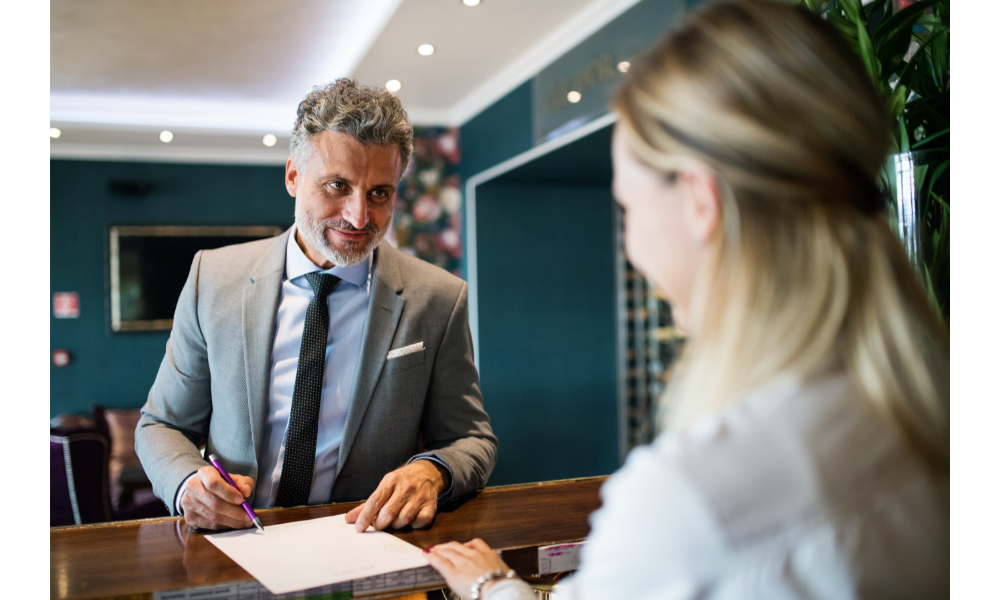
[904,46]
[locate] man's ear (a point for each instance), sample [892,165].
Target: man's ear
[704,205]
[292,175]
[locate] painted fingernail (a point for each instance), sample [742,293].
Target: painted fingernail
[427,550]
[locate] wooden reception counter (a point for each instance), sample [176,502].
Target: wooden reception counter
[134,559]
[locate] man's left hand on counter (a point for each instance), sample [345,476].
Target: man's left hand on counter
[406,496]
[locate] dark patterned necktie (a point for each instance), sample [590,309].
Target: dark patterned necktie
[303,423]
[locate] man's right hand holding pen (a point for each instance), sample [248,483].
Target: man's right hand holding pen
[209,502]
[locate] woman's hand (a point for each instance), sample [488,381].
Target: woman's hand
[462,564]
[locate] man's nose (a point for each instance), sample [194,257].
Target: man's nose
[355,210]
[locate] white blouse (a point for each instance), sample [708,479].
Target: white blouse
[799,491]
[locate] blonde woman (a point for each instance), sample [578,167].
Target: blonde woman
[806,449]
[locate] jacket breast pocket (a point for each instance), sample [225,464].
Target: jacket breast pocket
[404,363]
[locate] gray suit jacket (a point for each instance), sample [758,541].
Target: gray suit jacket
[214,378]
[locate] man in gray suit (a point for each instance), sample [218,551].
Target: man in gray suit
[322,365]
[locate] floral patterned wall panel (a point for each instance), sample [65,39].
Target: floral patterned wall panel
[427,221]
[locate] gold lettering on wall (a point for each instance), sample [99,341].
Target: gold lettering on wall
[584,79]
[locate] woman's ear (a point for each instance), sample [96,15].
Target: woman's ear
[704,207]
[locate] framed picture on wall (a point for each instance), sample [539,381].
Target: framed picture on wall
[149,265]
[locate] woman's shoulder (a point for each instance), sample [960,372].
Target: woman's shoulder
[782,478]
[791,452]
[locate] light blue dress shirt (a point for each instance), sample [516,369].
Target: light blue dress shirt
[348,304]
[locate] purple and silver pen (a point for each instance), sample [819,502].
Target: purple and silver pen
[250,513]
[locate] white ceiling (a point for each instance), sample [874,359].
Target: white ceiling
[222,73]
[244,63]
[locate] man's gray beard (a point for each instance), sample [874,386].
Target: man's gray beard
[313,231]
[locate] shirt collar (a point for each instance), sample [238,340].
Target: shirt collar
[298,264]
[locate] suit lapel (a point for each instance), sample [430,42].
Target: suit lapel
[385,306]
[260,305]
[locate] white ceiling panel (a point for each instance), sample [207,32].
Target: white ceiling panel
[471,44]
[240,67]
[185,61]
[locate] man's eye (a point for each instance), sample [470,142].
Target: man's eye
[380,195]
[337,185]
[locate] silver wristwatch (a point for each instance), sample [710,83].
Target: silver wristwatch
[489,576]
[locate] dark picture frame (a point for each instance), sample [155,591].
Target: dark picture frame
[150,263]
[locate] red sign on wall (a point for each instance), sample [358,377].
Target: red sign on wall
[66,305]
[60,358]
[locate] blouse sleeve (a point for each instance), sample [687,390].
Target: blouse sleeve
[653,537]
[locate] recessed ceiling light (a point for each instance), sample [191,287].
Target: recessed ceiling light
[425,49]
[573,97]
[270,140]
[470,2]
[166,137]
[54,133]
[624,65]
[393,85]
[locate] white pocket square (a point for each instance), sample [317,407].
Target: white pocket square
[418,347]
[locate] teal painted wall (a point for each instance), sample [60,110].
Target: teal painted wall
[117,369]
[547,329]
[547,320]
[500,132]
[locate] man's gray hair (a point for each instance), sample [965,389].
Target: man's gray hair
[371,115]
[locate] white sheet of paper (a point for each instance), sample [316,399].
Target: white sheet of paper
[307,554]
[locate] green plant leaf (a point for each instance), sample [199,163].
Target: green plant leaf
[904,139]
[939,57]
[943,12]
[930,22]
[847,30]
[919,174]
[923,110]
[906,75]
[940,200]
[869,9]
[852,10]
[930,138]
[886,14]
[922,81]
[868,55]
[890,52]
[891,45]
[934,177]
[822,7]
[942,258]
[930,79]
[904,19]
[837,18]
[897,101]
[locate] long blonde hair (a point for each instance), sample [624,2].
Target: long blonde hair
[804,274]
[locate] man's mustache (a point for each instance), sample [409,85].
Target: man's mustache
[346,226]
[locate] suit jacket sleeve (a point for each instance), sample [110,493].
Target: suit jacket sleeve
[455,425]
[177,412]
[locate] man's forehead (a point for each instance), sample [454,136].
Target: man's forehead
[346,157]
